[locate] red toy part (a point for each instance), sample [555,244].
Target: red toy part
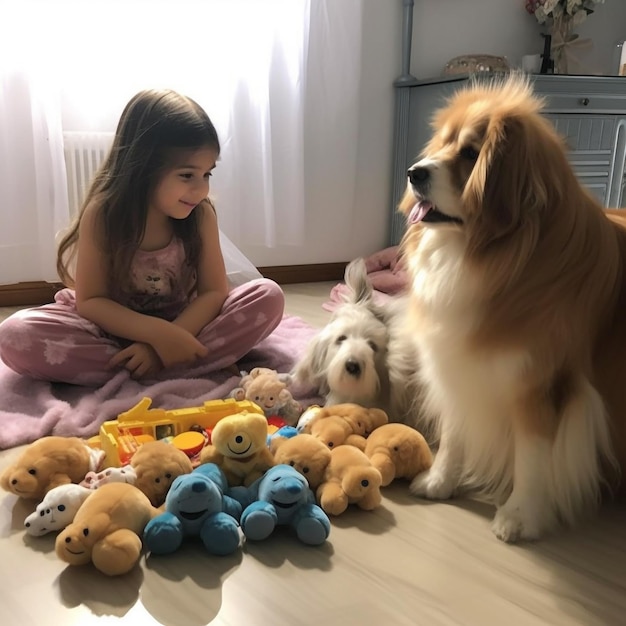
[274,423]
[275,420]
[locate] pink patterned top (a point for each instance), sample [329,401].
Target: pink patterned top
[161,281]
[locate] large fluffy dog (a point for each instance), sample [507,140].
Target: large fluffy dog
[518,310]
[360,355]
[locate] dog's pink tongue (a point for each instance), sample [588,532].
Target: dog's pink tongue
[419,211]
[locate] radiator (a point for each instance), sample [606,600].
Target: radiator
[84,153]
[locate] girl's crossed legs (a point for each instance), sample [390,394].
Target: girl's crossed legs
[53,342]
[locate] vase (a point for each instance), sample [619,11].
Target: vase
[562,33]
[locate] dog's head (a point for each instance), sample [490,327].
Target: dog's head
[345,360]
[494,167]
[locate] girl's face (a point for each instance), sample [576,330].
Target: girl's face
[185,184]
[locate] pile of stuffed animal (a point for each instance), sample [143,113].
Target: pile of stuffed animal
[248,482]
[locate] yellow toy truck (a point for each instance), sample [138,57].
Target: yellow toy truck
[120,438]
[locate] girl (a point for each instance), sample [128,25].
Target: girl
[150,290]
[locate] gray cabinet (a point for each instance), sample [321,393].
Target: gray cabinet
[617,192]
[589,111]
[590,139]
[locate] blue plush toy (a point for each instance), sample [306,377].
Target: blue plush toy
[286,432]
[281,497]
[195,505]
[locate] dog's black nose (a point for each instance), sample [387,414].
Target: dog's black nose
[418,175]
[353,368]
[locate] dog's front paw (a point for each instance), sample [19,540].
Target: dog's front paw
[513,523]
[433,484]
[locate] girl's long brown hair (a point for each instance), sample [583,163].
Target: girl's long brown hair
[153,126]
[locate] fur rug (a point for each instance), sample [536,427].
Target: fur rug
[30,409]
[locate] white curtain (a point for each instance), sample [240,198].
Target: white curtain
[33,197]
[245,61]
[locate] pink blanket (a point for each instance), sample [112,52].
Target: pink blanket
[32,409]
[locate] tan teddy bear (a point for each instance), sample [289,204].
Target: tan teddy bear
[107,529]
[363,420]
[398,451]
[48,463]
[346,423]
[307,454]
[157,464]
[350,478]
[239,447]
[269,389]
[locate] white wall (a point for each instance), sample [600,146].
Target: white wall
[444,29]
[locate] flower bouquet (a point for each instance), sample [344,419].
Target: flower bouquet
[561,17]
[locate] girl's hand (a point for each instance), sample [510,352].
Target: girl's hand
[140,359]
[177,346]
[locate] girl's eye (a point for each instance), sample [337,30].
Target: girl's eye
[186,176]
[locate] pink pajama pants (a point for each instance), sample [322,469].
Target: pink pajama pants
[53,342]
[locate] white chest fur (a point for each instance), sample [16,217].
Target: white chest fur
[469,390]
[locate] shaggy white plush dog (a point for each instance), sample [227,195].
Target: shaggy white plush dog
[359,355]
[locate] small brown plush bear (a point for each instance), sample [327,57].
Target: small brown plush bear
[350,478]
[48,463]
[157,464]
[307,454]
[107,529]
[269,389]
[346,423]
[398,451]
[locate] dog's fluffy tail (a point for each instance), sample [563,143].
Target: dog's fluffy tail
[582,446]
[360,291]
[360,287]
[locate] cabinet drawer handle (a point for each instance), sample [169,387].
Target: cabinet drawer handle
[584,101]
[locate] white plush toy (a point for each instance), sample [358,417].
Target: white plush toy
[57,510]
[307,416]
[125,474]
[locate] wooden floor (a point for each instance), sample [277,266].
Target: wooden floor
[409,562]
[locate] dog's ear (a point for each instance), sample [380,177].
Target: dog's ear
[356,279]
[508,185]
[311,368]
